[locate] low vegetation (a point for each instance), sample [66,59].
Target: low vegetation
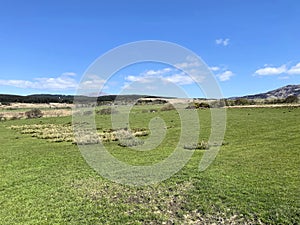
[167,107]
[107,111]
[203,145]
[33,113]
[65,133]
[244,101]
[253,180]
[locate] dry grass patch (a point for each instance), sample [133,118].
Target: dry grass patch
[166,202]
[65,133]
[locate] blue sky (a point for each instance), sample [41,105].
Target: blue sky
[251,46]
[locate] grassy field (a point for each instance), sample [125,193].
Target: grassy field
[255,178]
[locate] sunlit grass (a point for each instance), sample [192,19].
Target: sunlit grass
[255,177]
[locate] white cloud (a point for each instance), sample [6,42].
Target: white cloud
[294,70]
[65,81]
[222,73]
[194,68]
[180,79]
[141,79]
[266,71]
[152,72]
[157,72]
[190,63]
[93,82]
[226,75]
[222,41]
[283,70]
[132,78]
[192,73]
[214,68]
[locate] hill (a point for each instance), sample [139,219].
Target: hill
[47,98]
[38,98]
[280,93]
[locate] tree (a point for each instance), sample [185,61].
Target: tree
[241,101]
[291,99]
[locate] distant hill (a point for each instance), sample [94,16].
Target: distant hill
[280,93]
[47,98]
[39,98]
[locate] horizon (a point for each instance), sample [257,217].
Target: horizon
[251,47]
[134,94]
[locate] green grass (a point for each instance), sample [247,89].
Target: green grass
[255,177]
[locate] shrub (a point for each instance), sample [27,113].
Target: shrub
[126,138]
[291,99]
[217,103]
[190,107]
[131,142]
[167,107]
[86,140]
[5,103]
[198,105]
[87,113]
[203,145]
[107,111]
[34,113]
[241,101]
[2,117]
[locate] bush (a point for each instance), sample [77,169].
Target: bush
[34,113]
[291,99]
[190,107]
[241,101]
[217,103]
[130,142]
[167,107]
[2,117]
[126,139]
[87,113]
[203,145]
[198,105]
[5,103]
[107,111]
